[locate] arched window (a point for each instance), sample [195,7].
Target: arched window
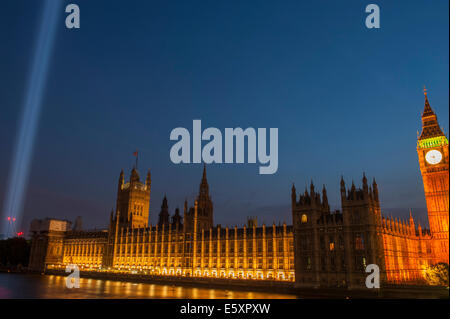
[304,219]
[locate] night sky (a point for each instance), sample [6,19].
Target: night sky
[346,100]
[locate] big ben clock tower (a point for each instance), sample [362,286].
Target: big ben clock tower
[432,148]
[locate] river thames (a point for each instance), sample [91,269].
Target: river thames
[28,286]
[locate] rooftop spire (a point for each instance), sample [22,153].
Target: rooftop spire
[427,111]
[204,173]
[342,181]
[204,187]
[324,196]
[164,214]
[430,125]
[164,203]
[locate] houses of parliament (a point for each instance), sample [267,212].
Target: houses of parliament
[322,248]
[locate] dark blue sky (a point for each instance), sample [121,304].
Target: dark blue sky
[346,99]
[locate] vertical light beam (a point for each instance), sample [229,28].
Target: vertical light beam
[20,165]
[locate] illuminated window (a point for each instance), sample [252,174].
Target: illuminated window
[304,219]
[331,246]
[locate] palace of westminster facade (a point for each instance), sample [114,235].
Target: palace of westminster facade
[322,248]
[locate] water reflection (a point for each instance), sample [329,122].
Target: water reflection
[37,286]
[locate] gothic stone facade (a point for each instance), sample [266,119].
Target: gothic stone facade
[330,248]
[333,249]
[177,246]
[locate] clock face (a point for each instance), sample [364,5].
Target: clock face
[433,157]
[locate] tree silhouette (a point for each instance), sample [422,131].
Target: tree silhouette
[14,252]
[437,275]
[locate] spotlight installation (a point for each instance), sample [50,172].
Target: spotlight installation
[20,164]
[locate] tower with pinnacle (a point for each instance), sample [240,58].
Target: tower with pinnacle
[201,214]
[133,200]
[432,150]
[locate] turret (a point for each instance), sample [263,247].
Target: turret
[121,180]
[365,186]
[311,188]
[148,180]
[375,190]
[324,197]
[293,195]
[164,214]
[176,219]
[343,192]
[411,222]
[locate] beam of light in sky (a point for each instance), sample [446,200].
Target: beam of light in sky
[20,165]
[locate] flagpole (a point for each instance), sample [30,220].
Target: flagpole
[137,155]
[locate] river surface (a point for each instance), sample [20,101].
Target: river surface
[43,286]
